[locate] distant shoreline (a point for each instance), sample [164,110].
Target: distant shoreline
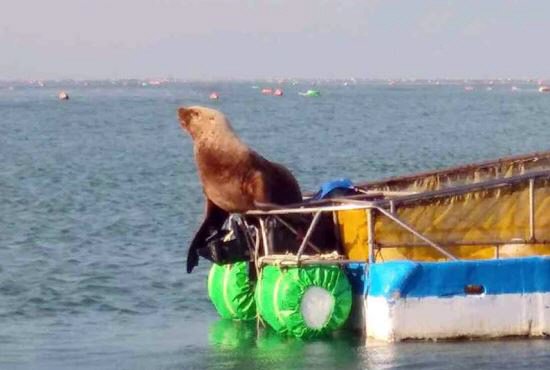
[145,82]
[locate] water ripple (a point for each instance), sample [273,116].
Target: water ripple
[100,198]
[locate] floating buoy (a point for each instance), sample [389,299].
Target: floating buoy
[544,89]
[304,302]
[310,93]
[232,291]
[214,96]
[278,92]
[63,96]
[267,91]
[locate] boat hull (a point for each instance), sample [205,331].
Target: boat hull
[449,300]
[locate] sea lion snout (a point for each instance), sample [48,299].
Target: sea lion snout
[186,115]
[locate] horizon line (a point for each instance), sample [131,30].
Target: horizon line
[275,79]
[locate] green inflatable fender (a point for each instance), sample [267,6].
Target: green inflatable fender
[304,302]
[232,291]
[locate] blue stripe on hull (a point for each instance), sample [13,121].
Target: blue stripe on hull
[357,275]
[446,279]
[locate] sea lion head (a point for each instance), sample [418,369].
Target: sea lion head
[200,121]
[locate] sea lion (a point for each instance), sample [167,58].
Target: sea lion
[235,178]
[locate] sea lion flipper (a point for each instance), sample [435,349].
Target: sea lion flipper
[214,217]
[192,253]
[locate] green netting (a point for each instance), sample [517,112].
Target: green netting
[281,290]
[231,291]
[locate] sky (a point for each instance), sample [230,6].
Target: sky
[247,39]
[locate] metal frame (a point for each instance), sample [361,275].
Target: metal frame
[289,260]
[293,230]
[374,207]
[532,209]
[308,234]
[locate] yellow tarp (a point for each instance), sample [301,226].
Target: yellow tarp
[477,221]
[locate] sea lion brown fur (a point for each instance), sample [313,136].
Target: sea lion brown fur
[234,177]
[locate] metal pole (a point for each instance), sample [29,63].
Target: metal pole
[308,234]
[336,224]
[531,209]
[459,244]
[370,239]
[416,233]
[287,259]
[264,236]
[291,228]
[287,211]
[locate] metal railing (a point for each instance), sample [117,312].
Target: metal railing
[387,208]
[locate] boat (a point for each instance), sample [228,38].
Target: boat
[214,96]
[310,93]
[267,91]
[462,252]
[544,89]
[63,95]
[278,92]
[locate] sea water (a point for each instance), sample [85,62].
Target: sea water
[99,200]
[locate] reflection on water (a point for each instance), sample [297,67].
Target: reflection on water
[231,335]
[245,347]
[239,345]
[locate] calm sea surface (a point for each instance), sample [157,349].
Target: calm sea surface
[99,199]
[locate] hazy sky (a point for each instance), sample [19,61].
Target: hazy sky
[277,38]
